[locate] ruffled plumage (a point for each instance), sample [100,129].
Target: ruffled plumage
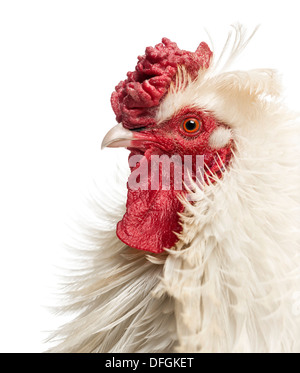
[229,284]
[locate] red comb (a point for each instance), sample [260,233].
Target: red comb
[135,99]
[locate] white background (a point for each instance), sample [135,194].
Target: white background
[59,62]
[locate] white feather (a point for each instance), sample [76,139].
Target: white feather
[220,138]
[235,276]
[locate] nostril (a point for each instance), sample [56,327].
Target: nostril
[137,129]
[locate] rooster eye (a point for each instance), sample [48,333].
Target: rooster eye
[191,125]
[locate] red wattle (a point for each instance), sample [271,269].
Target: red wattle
[150,220]
[151,216]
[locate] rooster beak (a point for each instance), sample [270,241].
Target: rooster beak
[117,137]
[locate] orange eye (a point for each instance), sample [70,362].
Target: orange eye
[191,125]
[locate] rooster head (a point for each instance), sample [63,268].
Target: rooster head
[158,115]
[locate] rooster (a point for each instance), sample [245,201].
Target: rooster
[211,265]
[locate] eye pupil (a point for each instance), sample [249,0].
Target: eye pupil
[190,125]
